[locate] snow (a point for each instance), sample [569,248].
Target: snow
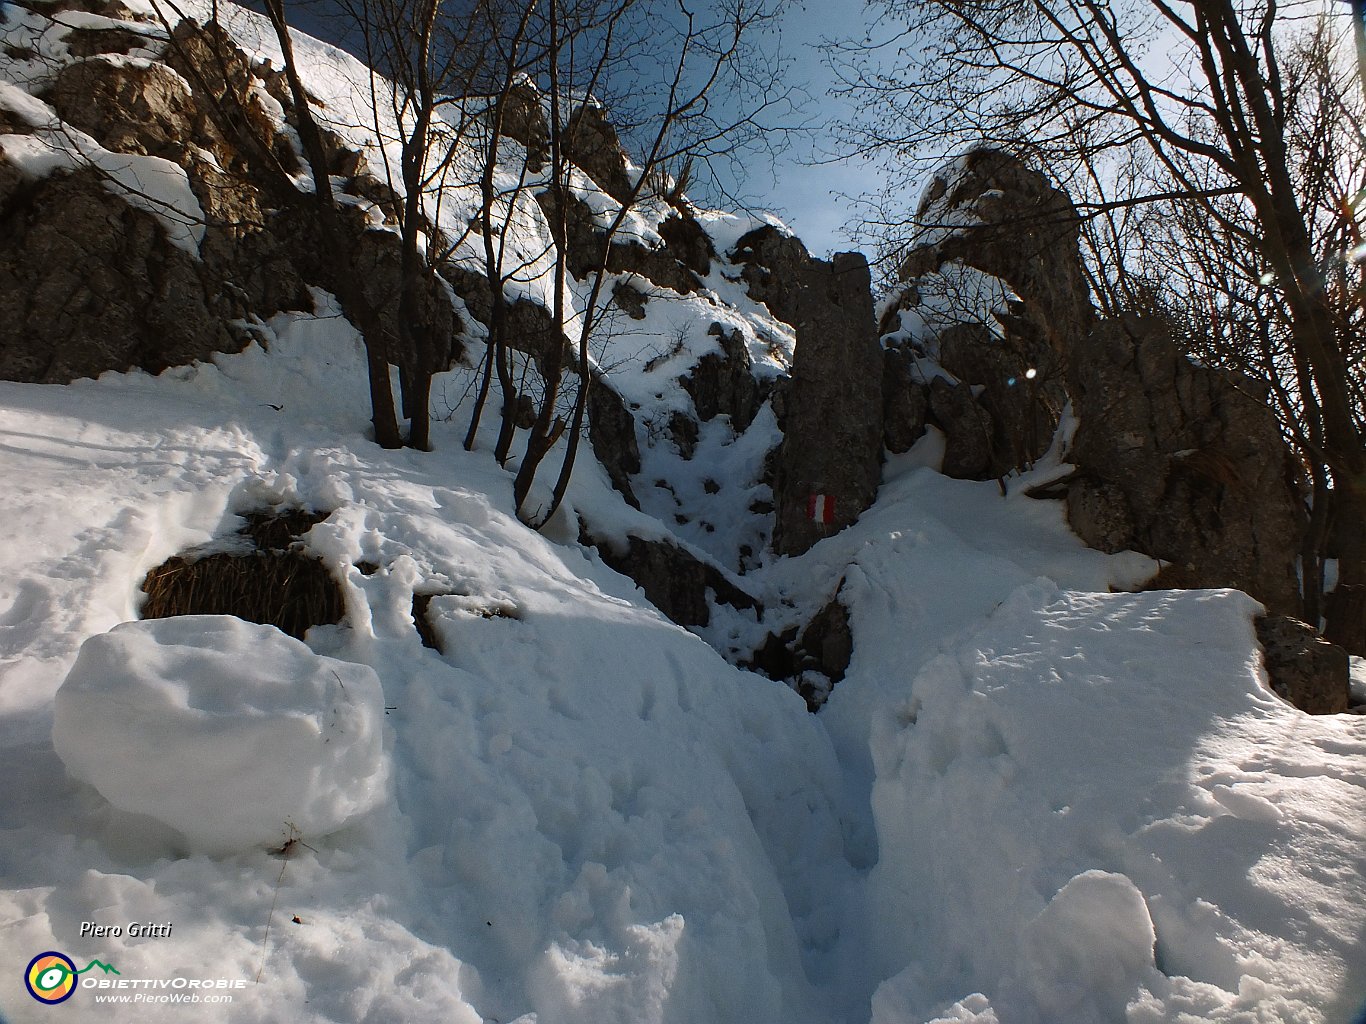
[149,183]
[1034,797]
[1021,781]
[232,733]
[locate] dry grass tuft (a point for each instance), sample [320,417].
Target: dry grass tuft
[277,584]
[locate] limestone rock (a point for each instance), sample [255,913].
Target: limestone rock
[832,443]
[967,428]
[676,581]
[89,42]
[591,143]
[688,242]
[683,431]
[1100,515]
[612,433]
[88,284]
[1188,458]
[1010,222]
[584,252]
[524,121]
[724,384]
[774,267]
[1178,461]
[1304,668]
[904,403]
[629,299]
[128,108]
[810,659]
[1024,409]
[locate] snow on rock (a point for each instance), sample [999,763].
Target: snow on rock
[1087,775]
[148,183]
[232,733]
[1029,800]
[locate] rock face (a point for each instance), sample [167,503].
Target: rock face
[675,265]
[591,143]
[1182,462]
[904,403]
[1178,461]
[773,267]
[676,581]
[967,427]
[810,659]
[832,407]
[128,108]
[612,433]
[89,282]
[1304,668]
[991,211]
[1023,410]
[724,384]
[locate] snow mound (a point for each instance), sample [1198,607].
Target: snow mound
[1090,947]
[227,731]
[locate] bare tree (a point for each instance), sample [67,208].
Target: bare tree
[213,67]
[559,64]
[1203,101]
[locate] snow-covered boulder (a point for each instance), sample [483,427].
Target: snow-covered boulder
[228,731]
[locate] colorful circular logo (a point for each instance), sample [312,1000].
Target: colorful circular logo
[51,977]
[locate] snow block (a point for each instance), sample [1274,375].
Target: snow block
[228,731]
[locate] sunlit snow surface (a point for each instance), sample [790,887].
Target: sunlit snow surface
[592,817]
[1029,801]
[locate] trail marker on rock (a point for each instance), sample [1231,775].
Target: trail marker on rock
[820,508]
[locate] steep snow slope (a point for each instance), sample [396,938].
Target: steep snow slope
[1029,800]
[587,802]
[594,817]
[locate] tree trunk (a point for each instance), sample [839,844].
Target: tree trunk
[1346,605]
[383,415]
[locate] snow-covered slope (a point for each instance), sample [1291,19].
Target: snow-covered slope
[593,817]
[1030,799]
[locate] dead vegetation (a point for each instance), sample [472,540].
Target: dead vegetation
[274,582]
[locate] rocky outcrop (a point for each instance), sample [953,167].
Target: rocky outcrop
[991,211]
[128,108]
[687,242]
[584,242]
[811,659]
[1302,667]
[832,444]
[830,463]
[967,427]
[91,282]
[677,582]
[1020,383]
[612,433]
[524,121]
[774,267]
[1182,462]
[88,283]
[591,143]
[723,383]
[1179,461]
[904,402]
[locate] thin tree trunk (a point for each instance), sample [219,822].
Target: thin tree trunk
[350,293]
[1346,605]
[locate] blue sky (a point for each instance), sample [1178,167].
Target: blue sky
[806,193]
[802,186]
